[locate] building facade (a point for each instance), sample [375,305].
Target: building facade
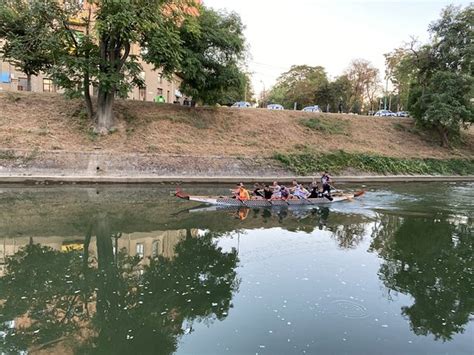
[156,85]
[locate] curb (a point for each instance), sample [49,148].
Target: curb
[54,179]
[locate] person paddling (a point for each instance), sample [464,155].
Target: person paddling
[267,193]
[326,183]
[243,194]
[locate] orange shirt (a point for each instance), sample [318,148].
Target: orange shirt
[244,194]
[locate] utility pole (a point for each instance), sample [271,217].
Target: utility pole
[385,96]
[245,94]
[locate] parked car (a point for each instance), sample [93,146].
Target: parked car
[242,104]
[385,113]
[275,107]
[403,114]
[314,108]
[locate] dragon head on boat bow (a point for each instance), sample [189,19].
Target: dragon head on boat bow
[181,194]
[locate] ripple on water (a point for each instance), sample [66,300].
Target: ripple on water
[348,309]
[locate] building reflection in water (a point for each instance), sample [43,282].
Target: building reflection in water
[112,292]
[109,291]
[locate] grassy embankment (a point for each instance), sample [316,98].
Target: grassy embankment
[303,142]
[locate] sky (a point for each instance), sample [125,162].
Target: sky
[330,33]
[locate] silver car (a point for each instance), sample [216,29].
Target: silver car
[314,108]
[275,107]
[385,113]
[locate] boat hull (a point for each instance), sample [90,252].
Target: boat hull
[225,201]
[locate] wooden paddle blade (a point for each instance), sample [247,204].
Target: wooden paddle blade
[181,194]
[359,193]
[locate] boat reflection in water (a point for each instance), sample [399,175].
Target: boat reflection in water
[122,273]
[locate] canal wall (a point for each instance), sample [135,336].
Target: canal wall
[26,166]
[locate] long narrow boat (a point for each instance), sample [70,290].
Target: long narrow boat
[228,201]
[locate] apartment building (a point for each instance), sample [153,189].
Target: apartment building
[11,79]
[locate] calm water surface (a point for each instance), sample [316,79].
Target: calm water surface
[132,270]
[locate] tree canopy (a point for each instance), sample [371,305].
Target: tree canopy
[435,80]
[299,85]
[97,44]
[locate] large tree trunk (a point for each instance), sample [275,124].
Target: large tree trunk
[87,97]
[28,82]
[443,133]
[105,114]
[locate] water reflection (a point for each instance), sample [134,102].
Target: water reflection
[432,260]
[104,300]
[120,272]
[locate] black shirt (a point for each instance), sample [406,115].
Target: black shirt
[267,194]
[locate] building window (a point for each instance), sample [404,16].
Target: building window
[155,248]
[140,249]
[22,84]
[5,77]
[142,93]
[160,78]
[48,85]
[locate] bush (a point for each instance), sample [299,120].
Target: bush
[311,162]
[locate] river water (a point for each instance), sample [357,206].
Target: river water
[133,270]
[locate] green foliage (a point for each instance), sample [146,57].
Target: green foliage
[135,306]
[311,162]
[446,102]
[24,26]
[7,155]
[326,125]
[400,71]
[420,257]
[299,85]
[441,79]
[364,83]
[212,54]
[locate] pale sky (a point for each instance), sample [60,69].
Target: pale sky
[282,33]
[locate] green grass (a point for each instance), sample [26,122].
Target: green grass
[311,162]
[329,126]
[7,155]
[403,128]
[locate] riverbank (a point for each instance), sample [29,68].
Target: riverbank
[45,136]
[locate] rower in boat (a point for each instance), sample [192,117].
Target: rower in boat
[298,191]
[276,189]
[267,193]
[243,193]
[285,193]
[258,192]
[326,182]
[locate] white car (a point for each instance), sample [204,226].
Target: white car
[242,104]
[385,113]
[314,108]
[275,107]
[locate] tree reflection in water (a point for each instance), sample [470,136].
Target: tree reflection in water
[431,260]
[113,303]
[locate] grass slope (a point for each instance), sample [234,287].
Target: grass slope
[50,122]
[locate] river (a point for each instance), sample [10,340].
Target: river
[133,270]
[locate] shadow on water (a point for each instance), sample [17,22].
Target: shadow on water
[124,273]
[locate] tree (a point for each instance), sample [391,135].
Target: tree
[119,25]
[364,80]
[401,72]
[299,85]
[212,57]
[427,259]
[112,303]
[443,87]
[24,27]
